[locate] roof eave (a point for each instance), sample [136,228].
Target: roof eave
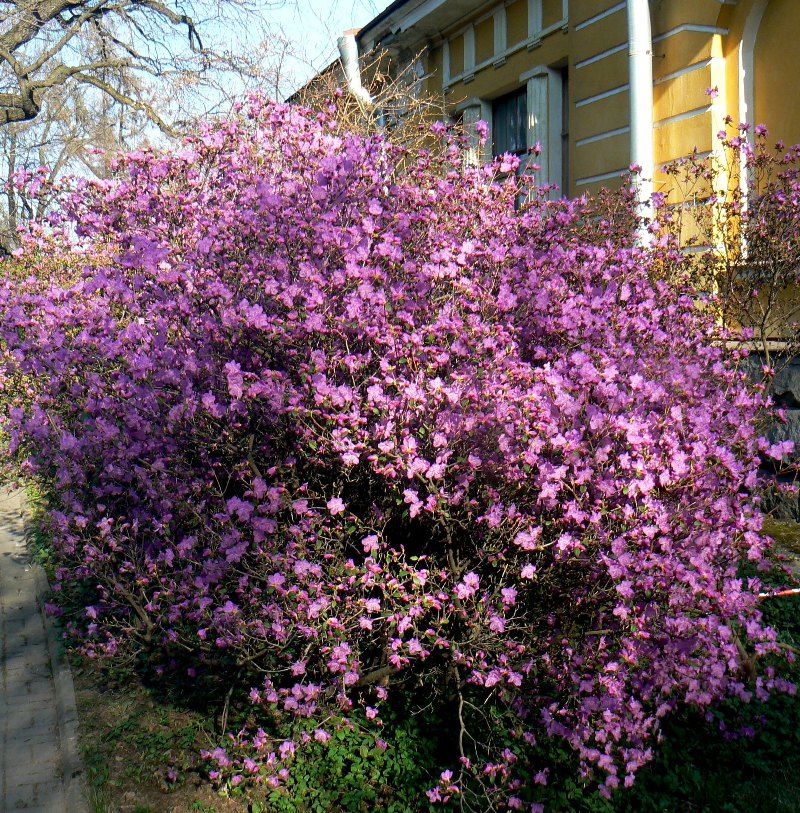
[386,13]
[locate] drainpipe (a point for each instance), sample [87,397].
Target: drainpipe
[348,53]
[640,53]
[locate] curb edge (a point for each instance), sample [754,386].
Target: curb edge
[66,707]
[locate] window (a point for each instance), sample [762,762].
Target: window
[510,123]
[564,182]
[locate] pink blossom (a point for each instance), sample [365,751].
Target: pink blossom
[335,506]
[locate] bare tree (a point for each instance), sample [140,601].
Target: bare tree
[47,44]
[72,133]
[126,76]
[399,107]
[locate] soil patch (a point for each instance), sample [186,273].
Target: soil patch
[141,756]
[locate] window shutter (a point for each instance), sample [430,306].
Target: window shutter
[469,119]
[538,130]
[471,114]
[546,122]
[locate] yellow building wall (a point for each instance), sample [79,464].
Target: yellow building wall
[680,51]
[484,40]
[552,12]
[457,55]
[605,33]
[777,65]
[582,10]
[589,82]
[492,82]
[670,14]
[696,46]
[777,71]
[435,68]
[517,22]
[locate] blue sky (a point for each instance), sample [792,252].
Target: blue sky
[313,26]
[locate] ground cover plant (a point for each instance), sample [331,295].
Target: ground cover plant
[745,757]
[346,430]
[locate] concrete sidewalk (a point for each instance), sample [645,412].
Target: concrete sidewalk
[39,764]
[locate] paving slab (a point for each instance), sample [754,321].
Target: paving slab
[39,765]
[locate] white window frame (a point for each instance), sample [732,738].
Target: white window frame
[534,18]
[545,117]
[472,111]
[500,25]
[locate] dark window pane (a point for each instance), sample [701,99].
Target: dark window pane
[510,123]
[564,132]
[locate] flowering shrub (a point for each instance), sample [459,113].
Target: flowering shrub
[738,207]
[337,430]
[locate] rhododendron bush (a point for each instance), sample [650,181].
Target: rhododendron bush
[350,431]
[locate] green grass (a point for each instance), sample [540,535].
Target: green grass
[785,533]
[130,736]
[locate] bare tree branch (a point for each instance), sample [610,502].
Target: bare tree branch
[49,43]
[128,101]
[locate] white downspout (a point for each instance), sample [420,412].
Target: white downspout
[640,52]
[348,53]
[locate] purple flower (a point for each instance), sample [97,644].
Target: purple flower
[335,506]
